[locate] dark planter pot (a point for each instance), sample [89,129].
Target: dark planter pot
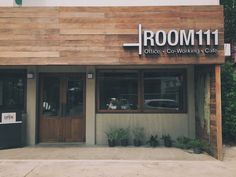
[154,144]
[168,143]
[137,142]
[197,150]
[124,142]
[111,143]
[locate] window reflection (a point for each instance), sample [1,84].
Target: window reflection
[158,90]
[12,92]
[118,91]
[51,93]
[1,93]
[163,91]
[75,98]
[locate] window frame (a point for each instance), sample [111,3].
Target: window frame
[140,89]
[16,74]
[98,89]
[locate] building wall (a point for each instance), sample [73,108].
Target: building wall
[117,3]
[95,35]
[174,124]
[208,107]
[6,3]
[31,108]
[109,2]
[96,124]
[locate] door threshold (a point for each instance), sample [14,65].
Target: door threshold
[61,144]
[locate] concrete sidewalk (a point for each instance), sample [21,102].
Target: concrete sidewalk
[23,162]
[77,152]
[118,168]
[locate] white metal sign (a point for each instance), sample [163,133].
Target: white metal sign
[9,117]
[227,49]
[177,41]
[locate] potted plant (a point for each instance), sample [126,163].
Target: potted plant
[123,135]
[112,135]
[184,142]
[153,141]
[167,140]
[197,146]
[138,136]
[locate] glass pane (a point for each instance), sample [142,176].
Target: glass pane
[118,91]
[51,96]
[1,93]
[75,98]
[163,91]
[13,93]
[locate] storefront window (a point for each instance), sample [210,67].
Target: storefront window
[1,93]
[163,91]
[118,90]
[12,94]
[141,91]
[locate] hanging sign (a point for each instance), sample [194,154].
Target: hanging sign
[9,117]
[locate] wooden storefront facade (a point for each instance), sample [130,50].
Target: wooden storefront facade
[93,41]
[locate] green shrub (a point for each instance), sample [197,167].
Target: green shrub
[183,142]
[138,133]
[112,134]
[123,133]
[167,140]
[153,141]
[228,81]
[196,143]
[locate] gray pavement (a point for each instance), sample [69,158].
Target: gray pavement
[105,167]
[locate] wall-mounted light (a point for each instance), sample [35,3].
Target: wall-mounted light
[30,75]
[90,75]
[18,2]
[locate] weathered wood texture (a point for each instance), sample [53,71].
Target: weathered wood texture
[94,35]
[218,112]
[210,132]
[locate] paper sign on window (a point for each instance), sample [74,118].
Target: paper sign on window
[9,117]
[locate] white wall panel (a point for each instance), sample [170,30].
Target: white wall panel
[116,2]
[6,3]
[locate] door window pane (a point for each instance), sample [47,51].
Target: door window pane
[51,96]
[75,98]
[118,90]
[163,91]
[1,93]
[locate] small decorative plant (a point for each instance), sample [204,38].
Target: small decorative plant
[112,135]
[208,148]
[153,141]
[184,142]
[167,140]
[197,146]
[138,136]
[123,136]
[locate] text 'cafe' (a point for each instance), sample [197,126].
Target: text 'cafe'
[78,71]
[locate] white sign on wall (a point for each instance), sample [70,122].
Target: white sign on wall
[9,117]
[227,49]
[176,42]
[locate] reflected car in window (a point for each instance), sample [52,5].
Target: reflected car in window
[119,104]
[162,104]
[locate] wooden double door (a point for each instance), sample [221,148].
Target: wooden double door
[62,108]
